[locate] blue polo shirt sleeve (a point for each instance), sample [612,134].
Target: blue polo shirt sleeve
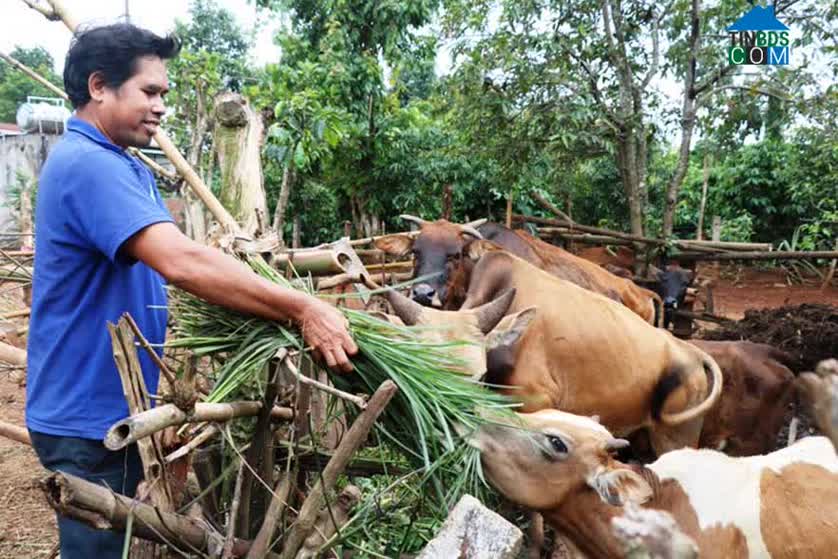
[108,200]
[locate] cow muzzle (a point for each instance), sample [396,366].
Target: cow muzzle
[425,295]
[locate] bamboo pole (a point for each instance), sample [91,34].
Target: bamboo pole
[353,439]
[776,255]
[12,355]
[34,75]
[153,165]
[16,314]
[136,427]
[101,508]
[19,434]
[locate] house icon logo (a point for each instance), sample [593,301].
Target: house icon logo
[758,37]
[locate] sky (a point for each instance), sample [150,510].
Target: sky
[22,26]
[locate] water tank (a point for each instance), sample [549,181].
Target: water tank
[43,114]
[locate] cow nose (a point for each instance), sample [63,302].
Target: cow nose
[423,294]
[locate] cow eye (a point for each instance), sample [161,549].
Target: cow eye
[557,444]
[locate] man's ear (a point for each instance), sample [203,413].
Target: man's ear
[620,485]
[395,245]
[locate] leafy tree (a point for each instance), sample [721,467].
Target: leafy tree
[15,86]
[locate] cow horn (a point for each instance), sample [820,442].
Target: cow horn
[469,230]
[404,307]
[417,220]
[489,314]
[616,444]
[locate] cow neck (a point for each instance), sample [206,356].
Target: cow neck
[586,519]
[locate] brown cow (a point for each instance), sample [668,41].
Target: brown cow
[758,388]
[587,354]
[442,254]
[779,505]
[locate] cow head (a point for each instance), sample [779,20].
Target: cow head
[544,457]
[437,253]
[673,288]
[472,331]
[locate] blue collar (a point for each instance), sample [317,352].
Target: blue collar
[76,124]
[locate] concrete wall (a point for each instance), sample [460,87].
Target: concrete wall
[25,154]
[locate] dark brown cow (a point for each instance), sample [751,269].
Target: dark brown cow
[443,251]
[758,389]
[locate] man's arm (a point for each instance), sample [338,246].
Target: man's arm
[222,280]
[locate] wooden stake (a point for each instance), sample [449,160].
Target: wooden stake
[263,540]
[353,439]
[98,506]
[136,394]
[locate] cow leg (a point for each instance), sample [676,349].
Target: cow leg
[665,438]
[536,533]
[564,548]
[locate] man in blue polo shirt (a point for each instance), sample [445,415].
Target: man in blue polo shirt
[104,246]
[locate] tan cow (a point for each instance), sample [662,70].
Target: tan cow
[442,253]
[782,505]
[586,354]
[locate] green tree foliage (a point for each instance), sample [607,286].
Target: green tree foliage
[213,59]
[15,86]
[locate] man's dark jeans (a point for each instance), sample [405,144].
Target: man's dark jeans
[89,459]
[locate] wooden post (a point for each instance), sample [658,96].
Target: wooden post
[700,232]
[347,229]
[717,228]
[356,435]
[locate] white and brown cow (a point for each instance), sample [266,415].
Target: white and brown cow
[781,505]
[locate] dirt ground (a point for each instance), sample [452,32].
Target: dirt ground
[27,524]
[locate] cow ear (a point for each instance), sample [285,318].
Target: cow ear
[510,329]
[619,485]
[395,245]
[478,248]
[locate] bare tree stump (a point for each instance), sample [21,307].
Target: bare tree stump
[238,139]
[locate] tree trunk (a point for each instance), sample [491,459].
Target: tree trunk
[700,230]
[288,176]
[447,191]
[238,135]
[688,119]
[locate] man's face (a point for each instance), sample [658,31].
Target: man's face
[132,113]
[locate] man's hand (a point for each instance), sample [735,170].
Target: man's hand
[325,329]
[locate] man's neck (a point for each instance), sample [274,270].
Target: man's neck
[90,116]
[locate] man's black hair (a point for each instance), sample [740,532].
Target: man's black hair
[112,50]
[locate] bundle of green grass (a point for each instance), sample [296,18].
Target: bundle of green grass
[433,403]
